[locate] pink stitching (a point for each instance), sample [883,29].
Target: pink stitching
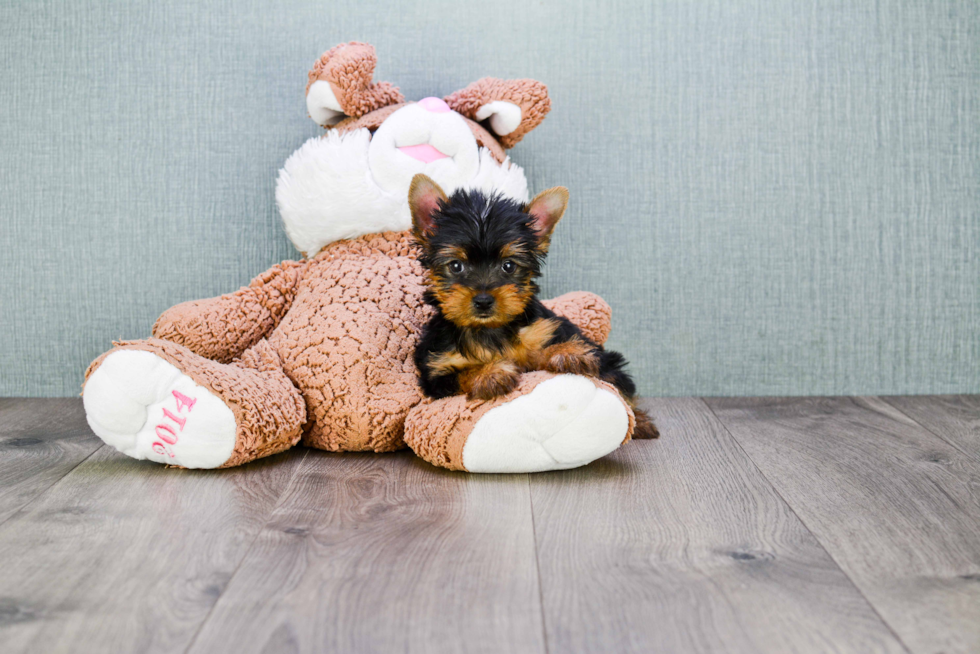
[169,435]
[172,438]
[183,400]
[160,448]
[180,421]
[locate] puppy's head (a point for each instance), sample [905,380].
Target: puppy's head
[482,252]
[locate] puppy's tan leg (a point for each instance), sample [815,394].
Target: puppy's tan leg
[575,357]
[489,380]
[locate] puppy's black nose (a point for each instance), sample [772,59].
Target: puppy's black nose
[483,302]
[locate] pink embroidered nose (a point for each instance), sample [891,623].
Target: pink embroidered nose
[424,153]
[435,105]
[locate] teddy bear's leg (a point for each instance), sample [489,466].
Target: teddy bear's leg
[549,422]
[157,400]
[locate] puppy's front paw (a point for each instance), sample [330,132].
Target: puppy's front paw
[490,381]
[573,357]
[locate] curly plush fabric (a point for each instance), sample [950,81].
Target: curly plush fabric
[347,342]
[373,120]
[370,121]
[530,95]
[324,348]
[348,68]
[587,310]
[222,328]
[320,351]
[437,430]
[269,411]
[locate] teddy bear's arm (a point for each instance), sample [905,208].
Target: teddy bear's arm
[222,328]
[588,311]
[489,96]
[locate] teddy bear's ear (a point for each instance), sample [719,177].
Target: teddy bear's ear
[340,85]
[546,209]
[424,199]
[512,107]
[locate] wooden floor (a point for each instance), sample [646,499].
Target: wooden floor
[753,525]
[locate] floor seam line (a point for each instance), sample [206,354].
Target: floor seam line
[53,484]
[816,538]
[936,434]
[258,532]
[537,565]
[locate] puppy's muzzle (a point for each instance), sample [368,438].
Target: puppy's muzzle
[483,302]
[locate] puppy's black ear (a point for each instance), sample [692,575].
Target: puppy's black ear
[424,199]
[546,209]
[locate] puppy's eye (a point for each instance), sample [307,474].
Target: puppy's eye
[509,267]
[455,267]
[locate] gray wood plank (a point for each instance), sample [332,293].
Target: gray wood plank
[129,556]
[897,507]
[385,553]
[681,545]
[954,418]
[41,440]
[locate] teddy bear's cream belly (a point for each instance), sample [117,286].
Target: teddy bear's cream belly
[347,343]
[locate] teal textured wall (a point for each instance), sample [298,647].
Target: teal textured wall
[775,197]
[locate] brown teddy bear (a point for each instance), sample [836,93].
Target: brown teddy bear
[319,351]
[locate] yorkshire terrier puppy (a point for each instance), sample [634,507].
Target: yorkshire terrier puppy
[482,255]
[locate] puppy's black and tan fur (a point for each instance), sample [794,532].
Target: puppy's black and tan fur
[483,255]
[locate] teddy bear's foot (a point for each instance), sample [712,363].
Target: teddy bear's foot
[146,408]
[565,422]
[548,423]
